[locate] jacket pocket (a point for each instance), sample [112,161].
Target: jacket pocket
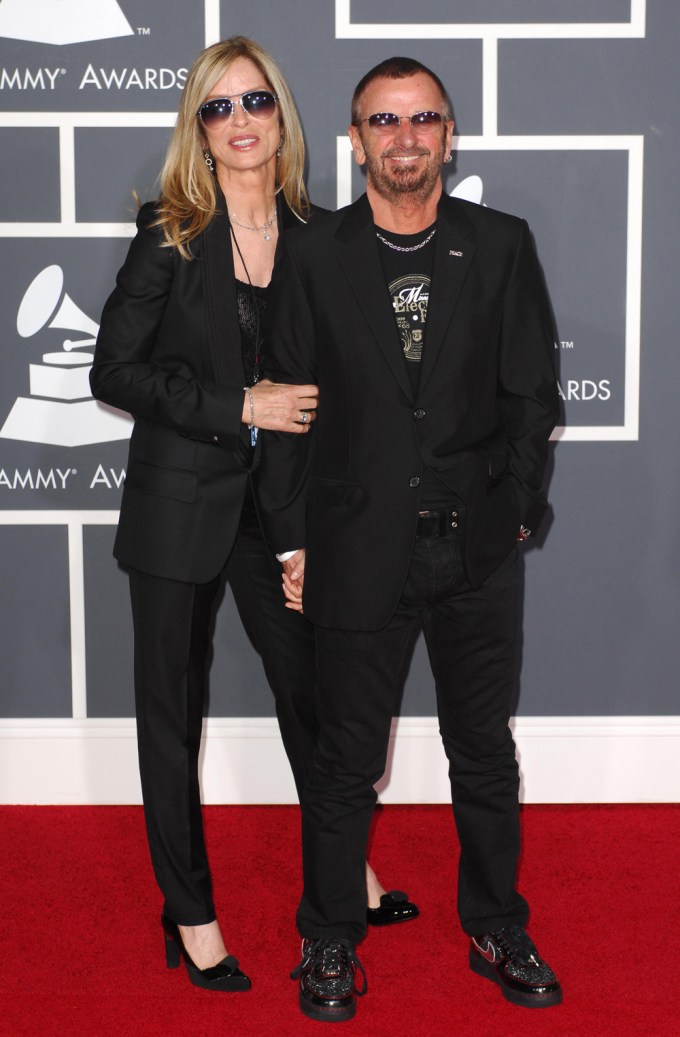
[173,483]
[330,492]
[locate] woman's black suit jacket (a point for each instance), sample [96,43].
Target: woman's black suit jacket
[169,352]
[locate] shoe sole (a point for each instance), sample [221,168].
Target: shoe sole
[378,923]
[327,1015]
[228,985]
[516,997]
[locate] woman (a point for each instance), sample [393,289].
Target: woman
[180,336]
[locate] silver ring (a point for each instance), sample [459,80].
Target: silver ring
[304,417]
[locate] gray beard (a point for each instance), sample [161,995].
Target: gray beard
[393,187]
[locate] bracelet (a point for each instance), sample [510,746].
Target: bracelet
[251,426]
[251,401]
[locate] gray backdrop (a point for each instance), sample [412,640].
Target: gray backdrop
[85,111]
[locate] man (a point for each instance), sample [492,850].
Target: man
[424,321]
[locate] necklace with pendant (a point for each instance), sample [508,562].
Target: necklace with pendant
[264,227]
[409,248]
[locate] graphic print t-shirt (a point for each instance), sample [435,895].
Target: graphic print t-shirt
[408,276]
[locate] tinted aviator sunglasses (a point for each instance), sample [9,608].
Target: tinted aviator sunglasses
[261,104]
[390,121]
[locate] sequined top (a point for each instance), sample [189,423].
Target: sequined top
[251,301]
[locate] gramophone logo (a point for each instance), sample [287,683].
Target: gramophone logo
[62,21]
[471,189]
[60,409]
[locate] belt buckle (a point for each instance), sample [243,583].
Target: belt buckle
[441,522]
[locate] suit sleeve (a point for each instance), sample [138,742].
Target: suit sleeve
[126,372]
[527,378]
[286,459]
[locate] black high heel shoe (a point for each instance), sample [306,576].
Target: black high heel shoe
[226,975]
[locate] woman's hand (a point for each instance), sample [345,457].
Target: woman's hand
[279,407]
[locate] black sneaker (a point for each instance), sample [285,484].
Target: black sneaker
[327,980]
[509,958]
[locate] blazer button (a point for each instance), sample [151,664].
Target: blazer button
[420,413]
[216,439]
[414,481]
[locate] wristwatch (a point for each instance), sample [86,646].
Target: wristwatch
[524,533]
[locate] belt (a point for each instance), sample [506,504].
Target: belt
[440,523]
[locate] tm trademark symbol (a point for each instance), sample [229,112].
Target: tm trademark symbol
[143,31]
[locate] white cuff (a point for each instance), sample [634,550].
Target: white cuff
[285,555]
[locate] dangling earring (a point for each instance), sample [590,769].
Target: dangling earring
[208,159]
[280,149]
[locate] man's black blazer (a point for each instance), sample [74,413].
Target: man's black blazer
[169,352]
[481,419]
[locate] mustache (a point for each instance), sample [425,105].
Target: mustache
[395,152]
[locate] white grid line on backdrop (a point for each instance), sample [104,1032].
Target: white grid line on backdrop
[345,28]
[490,33]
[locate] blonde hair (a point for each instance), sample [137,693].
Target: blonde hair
[188,198]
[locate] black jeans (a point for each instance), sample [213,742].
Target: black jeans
[471,638]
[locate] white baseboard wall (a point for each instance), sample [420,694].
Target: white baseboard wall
[562,760]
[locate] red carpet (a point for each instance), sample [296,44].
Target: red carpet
[82,945]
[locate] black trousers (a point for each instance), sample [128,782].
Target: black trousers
[172,623]
[471,638]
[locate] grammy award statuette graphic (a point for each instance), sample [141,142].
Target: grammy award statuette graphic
[62,21]
[60,409]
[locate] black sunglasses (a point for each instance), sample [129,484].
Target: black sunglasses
[390,121]
[261,104]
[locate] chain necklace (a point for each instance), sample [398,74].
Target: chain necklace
[256,372]
[409,248]
[264,227]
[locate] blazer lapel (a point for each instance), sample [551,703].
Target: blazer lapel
[454,249]
[360,260]
[285,217]
[224,335]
